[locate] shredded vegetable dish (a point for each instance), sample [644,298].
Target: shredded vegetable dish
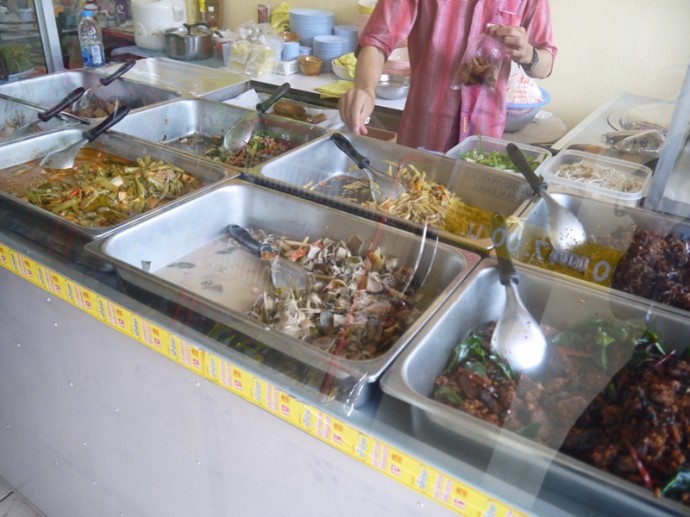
[101,190]
[425,201]
[608,178]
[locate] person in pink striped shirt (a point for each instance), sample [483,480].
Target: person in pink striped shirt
[437,117]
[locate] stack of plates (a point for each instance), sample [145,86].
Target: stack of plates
[311,22]
[349,32]
[329,47]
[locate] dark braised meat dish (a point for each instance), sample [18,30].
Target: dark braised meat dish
[656,267]
[609,395]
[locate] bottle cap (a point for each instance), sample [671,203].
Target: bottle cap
[87,13]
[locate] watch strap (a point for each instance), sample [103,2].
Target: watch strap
[535,59]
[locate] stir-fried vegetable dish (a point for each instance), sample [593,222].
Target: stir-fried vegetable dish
[261,147]
[609,394]
[101,190]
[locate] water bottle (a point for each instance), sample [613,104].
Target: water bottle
[90,39]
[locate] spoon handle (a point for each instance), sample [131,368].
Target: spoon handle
[124,68]
[70,99]
[345,146]
[264,106]
[515,154]
[113,118]
[499,237]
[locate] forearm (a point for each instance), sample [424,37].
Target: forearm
[370,61]
[542,68]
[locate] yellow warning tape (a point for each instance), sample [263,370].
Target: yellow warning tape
[411,472]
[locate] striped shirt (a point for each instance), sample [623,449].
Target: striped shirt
[437,117]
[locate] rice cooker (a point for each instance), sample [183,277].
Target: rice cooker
[152,17]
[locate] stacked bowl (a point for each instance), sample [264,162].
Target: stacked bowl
[311,22]
[328,47]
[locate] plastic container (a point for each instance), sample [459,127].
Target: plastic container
[535,155]
[519,115]
[637,175]
[90,39]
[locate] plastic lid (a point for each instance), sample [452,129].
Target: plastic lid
[88,13]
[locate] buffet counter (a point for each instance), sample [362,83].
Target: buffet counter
[156,361]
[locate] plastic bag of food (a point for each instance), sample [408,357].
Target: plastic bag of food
[481,63]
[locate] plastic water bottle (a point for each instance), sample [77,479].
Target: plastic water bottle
[90,39]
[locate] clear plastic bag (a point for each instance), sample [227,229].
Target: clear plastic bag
[481,63]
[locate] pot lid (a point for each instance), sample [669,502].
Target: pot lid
[193,30]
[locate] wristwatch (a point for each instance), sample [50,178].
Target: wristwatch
[535,59]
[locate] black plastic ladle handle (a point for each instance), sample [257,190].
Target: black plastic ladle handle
[265,105]
[518,158]
[499,237]
[69,99]
[345,146]
[113,118]
[105,81]
[245,239]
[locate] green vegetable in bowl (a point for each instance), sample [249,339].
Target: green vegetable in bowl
[496,159]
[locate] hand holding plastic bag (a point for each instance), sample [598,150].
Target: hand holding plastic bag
[481,63]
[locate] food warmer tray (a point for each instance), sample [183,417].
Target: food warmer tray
[14,113]
[188,79]
[141,252]
[528,469]
[476,185]
[609,228]
[46,90]
[173,123]
[63,236]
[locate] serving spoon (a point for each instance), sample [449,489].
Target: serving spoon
[88,97]
[241,131]
[518,338]
[63,158]
[48,114]
[382,185]
[564,229]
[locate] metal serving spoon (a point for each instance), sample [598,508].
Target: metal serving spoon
[239,134]
[564,229]
[382,185]
[48,114]
[88,97]
[517,337]
[63,158]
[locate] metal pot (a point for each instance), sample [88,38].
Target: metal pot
[189,42]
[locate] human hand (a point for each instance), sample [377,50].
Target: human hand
[514,40]
[355,107]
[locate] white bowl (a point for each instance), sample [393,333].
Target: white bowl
[341,71]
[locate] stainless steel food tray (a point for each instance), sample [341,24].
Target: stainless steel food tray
[141,252]
[527,468]
[14,113]
[475,185]
[608,224]
[173,123]
[46,90]
[61,235]
[188,79]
